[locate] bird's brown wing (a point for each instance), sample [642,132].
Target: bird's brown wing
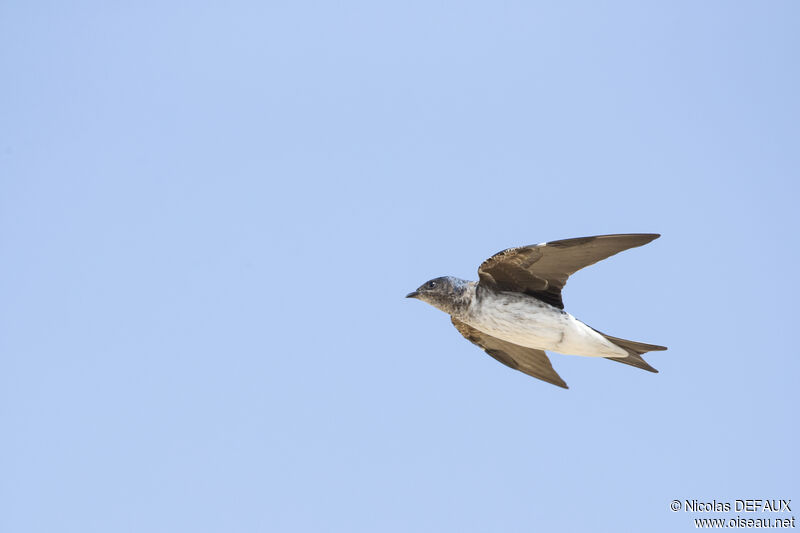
[541,270]
[527,360]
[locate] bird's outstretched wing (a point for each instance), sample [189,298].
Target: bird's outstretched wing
[527,360]
[541,270]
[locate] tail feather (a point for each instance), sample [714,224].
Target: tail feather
[634,360]
[635,351]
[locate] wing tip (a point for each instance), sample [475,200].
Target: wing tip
[646,236]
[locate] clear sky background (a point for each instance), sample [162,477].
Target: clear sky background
[210,215]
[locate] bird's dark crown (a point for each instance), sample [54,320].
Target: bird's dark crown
[446,293]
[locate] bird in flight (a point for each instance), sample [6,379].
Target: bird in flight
[515,312]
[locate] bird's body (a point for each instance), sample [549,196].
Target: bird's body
[526,321]
[515,311]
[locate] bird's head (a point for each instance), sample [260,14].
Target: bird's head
[446,293]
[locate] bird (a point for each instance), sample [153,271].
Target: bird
[515,312]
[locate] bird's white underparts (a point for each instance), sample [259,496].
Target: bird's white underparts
[526,321]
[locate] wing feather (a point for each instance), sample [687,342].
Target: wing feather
[535,363]
[541,270]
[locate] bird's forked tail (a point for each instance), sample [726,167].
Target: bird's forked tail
[635,351]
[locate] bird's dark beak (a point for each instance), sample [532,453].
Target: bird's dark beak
[412,294]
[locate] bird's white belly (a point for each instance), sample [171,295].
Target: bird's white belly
[528,322]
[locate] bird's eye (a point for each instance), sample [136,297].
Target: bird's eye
[431,284]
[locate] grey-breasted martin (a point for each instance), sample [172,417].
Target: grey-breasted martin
[515,312]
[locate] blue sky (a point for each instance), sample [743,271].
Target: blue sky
[210,215]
